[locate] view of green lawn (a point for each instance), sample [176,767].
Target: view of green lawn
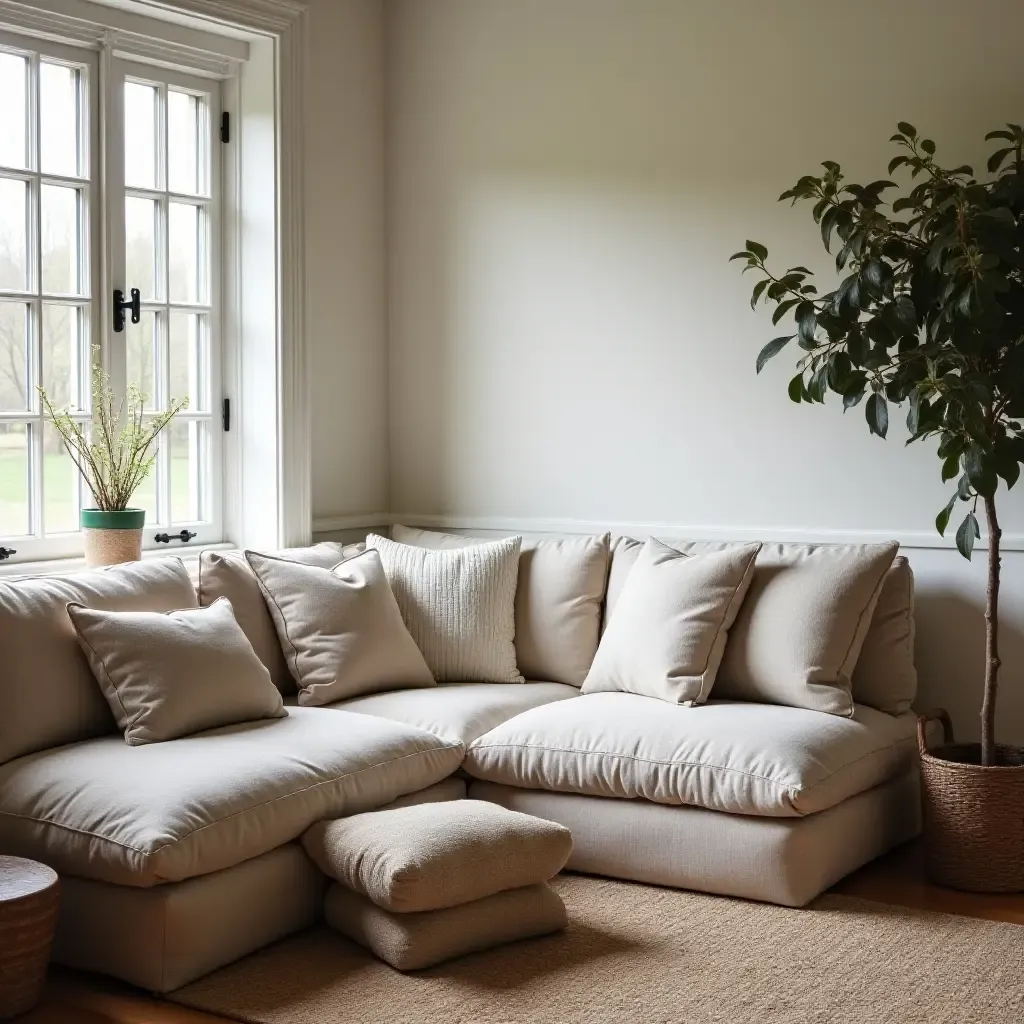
[60,511]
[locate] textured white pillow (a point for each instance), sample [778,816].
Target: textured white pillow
[668,633]
[340,629]
[459,606]
[558,599]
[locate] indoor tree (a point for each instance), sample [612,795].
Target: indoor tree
[928,311]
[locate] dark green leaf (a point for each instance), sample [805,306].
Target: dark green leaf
[758,250]
[796,388]
[907,128]
[774,347]
[997,158]
[980,470]
[739,256]
[876,412]
[856,346]
[807,323]
[758,290]
[950,468]
[782,308]
[927,146]
[942,519]
[1006,461]
[1000,134]
[967,534]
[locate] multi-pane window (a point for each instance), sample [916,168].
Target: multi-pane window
[169,230]
[46,281]
[158,202]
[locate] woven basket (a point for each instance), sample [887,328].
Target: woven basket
[973,816]
[28,914]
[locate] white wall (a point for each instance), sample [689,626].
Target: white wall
[346,308]
[566,181]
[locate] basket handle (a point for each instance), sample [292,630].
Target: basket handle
[937,715]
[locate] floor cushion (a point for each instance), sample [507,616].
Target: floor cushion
[744,758]
[437,855]
[459,712]
[412,941]
[168,811]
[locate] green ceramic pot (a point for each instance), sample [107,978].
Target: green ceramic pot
[112,537]
[128,519]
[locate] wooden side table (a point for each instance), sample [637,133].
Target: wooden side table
[28,914]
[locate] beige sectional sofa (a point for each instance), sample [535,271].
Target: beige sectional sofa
[180,856]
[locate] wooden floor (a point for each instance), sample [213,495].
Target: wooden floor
[73,998]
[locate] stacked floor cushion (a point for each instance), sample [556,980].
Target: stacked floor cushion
[422,884]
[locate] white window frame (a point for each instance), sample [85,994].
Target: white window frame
[57,544]
[258,49]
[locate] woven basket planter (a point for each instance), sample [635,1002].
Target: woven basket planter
[973,816]
[29,894]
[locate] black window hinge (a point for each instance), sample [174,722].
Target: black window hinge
[225,127]
[225,414]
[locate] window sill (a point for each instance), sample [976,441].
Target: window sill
[189,554]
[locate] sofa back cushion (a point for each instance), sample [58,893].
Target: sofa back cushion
[559,594]
[884,676]
[48,695]
[227,574]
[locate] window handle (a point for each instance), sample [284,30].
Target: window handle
[121,304]
[165,538]
[6,553]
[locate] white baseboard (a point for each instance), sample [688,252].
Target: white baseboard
[808,535]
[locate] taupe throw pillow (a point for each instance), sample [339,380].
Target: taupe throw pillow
[459,606]
[227,574]
[668,633]
[48,693]
[174,674]
[437,855]
[798,636]
[340,629]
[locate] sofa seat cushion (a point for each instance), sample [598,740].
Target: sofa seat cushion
[738,757]
[164,812]
[459,712]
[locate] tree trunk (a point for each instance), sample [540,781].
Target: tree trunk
[988,706]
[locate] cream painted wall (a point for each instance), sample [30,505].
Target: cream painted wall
[345,267]
[566,181]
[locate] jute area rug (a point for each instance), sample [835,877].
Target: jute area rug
[637,953]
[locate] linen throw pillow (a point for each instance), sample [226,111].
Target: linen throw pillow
[668,634]
[558,600]
[48,693]
[459,606]
[227,574]
[340,629]
[800,631]
[177,673]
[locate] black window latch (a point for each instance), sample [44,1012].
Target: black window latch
[165,538]
[6,553]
